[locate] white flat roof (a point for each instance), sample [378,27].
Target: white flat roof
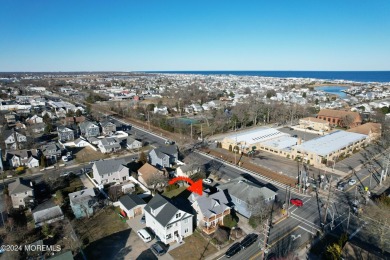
[281,143]
[257,135]
[327,144]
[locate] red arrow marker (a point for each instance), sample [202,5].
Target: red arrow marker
[196,187]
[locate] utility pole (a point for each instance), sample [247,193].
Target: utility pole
[349,215]
[191,131]
[201,132]
[149,120]
[234,148]
[266,234]
[327,201]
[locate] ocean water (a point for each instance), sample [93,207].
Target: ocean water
[358,76]
[337,90]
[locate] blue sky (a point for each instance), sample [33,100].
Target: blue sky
[194,35]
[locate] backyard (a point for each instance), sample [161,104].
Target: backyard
[195,247]
[87,154]
[101,229]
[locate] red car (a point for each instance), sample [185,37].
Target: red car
[297,202]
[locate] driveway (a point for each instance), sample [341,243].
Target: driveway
[86,182]
[140,249]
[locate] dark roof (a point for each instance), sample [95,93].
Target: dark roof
[166,213]
[109,166]
[131,200]
[19,186]
[169,149]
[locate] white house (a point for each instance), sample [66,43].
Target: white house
[109,145]
[167,221]
[132,143]
[161,110]
[21,193]
[108,171]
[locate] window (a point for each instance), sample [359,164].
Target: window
[25,192]
[178,215]
[186,230]
[169,226]
[20,200]
[124,178]
[169,236]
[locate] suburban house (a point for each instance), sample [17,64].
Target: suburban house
[108,128]
[316,124]
[210,210]
[73,120]
[109,145]
[187,170]
[132,143]
[14,140]
[146,173]
[47,212]
[89,129]
[35,119]
[10,118]
[167,221]
[18,158]
[37,128]
[242,192]
[340,118]
[164,156]
[65,134]
[83,202]
[132,205]
[108,171]
[52,152]
[21,193]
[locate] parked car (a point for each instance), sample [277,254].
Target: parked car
[158,248]
[64,174]
[143,221]
[295,136]
[297,202]
[249,240]
[341,186]
[208,181]
[144,235]
[234,249]
[352,182]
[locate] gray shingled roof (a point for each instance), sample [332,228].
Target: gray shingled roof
[19,186]
[131,200]
[168,149]
[166,213]
[245,190]
[108,166]
[210,205]
[81,196]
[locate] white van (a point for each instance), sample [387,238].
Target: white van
[144,235]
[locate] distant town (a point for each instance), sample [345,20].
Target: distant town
[288,169]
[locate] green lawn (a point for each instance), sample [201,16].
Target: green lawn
[174,193]
[195,247]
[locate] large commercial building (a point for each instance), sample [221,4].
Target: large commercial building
[340,117]
[329,148]
[251,140]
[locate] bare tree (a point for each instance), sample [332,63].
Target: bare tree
[157,181]
[379,222]
[260,210]
[347,120]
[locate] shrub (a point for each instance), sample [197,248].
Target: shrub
[171,187]
[229,221]
[221,235]
[20,169]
